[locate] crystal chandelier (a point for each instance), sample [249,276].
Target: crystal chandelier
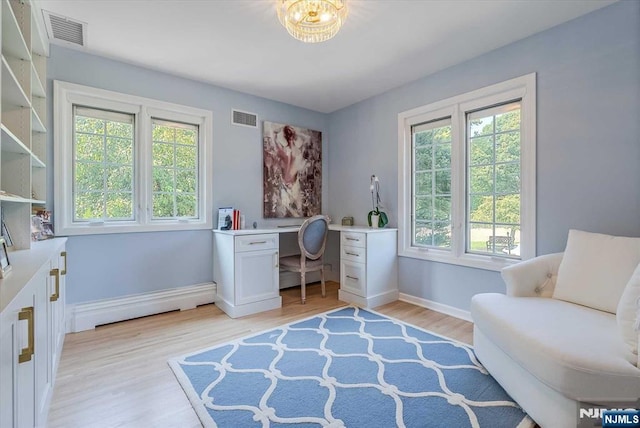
[312,21]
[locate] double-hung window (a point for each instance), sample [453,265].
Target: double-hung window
[467,177]
[129,164]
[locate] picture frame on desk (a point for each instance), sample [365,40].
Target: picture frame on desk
[5,265]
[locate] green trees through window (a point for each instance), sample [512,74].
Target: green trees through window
[175,169]
[103,165]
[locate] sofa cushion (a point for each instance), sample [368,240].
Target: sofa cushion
[570,348]
[627,312]
[595,269]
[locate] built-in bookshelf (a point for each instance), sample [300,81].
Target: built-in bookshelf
[22,119]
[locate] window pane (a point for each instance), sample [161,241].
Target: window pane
[423,183]
[493,181]
[163,205]
[508,209]
[432,176]
[481,179]
[424,208]
[89,206]
[508,147]
[163,180]
[119,205]
[89,176]
[508,178]
[175,169]
[423,158]
[89,147]
[103,164]
[481,151]
[163,154]
[481,209]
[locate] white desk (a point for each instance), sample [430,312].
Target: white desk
[246,267]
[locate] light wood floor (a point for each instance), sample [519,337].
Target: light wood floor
[117,375]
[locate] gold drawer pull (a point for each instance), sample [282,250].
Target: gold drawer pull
[355,278]
[27,353]
[55,296]
[64,270]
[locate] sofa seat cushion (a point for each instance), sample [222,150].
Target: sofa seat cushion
[571,348]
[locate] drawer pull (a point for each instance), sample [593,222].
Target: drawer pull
[355,278]
[64,271]
[352,254]
[352,239]
[55,296]
[26,314]
[257,242]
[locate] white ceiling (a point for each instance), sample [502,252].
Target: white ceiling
[240,44]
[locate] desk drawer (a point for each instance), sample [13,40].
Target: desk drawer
[256,242]
[353,239]
[354,254]
[353,278]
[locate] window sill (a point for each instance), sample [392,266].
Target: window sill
[468,260]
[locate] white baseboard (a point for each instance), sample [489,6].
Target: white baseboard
[435,306]
[86,316]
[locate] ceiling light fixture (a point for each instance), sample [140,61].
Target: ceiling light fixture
[312,21]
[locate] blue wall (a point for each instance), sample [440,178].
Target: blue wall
[106,266]
[588,172]
[588,146]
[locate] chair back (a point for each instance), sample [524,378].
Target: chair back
[312,236]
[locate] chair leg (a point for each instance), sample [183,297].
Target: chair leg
[303,285]
[324,289]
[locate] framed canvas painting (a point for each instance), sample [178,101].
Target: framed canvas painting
[292,171]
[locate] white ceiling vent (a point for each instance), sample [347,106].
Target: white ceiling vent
[65,31]
[243,118]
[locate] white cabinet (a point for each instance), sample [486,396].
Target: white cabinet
[368,266]
[31,332]
[246,272]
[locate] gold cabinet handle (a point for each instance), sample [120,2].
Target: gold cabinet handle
[64,270]
[27,353]
[55,296]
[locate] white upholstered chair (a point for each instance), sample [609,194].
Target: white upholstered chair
[312,239]
[565,333]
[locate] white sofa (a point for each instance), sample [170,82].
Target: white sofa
[550,354]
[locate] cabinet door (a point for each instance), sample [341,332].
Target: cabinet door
[42,286]
[17,362]
[57,299]
[257,276]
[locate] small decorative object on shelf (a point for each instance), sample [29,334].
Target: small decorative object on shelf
[376,218]
[41,226]
[347,221]
[5,265]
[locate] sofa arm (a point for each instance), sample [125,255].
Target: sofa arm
[533,278]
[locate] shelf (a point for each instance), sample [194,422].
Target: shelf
[36,123]
[12,92]
[37,88]
[16,199]
[36,162]
[13,43]
[11,143]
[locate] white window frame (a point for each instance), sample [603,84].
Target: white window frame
[521,88]
[66,95]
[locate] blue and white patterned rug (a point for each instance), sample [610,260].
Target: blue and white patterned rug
[345,368]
